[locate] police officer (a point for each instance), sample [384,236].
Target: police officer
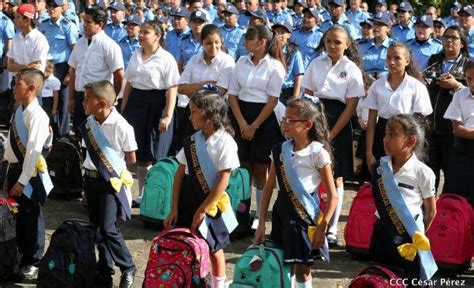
[40,6]
[116,29]
[356,15]
[308,36]
[130,43]
[438,29]
[298,6]
[231,31]
[423,46]
[7,31]
[210,8]
[316,5]
[244,18]
[220,18]
[405,29]
[453,18]
[278,16]
[336,10]
[257,17]
[147,13]
[466,22]
[366,33]
[175,37]
[70,13]
[62,36]
[191,43]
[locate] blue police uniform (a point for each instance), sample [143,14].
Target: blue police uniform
[322,12]
[374,57]
[470,42]
[353,32]
[42,17]
[116,31]
[231,37]
[61,35]
[218,22]
[403,34]
[450,21]
[189,48]
[128,46]
[173,41]
[421,52]
[357,17]
[7,31]
[297,20]
[243,19]
[212,12]
[241,51]
[307,41]
[294,67]
[289,11]
[71,15]
[280,17]
[148,14]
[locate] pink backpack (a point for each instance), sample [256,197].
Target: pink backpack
[376,276]
[178,258]
[451,232]
[361,221]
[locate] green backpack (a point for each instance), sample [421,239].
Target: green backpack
[156,201]
[262,266]
[239,193]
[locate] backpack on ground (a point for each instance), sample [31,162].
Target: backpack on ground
[178,258]
[361,221]
[240,198]
[157,194]
[262,266]
[8,244]
[376,276]
[65,166]
[450,233]
[70,259]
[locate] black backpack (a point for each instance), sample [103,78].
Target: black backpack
[8,245]
[70,258]
[65,166]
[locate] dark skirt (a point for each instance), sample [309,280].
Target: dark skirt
[377,146]
[257,150]
[183,129]
[143,111]
[290,233]
[190,198]
[461,170]
[342,144]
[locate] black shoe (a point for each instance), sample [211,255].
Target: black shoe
[103,280]
[135,204]
[127,278]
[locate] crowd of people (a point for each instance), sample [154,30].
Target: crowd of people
[235,80]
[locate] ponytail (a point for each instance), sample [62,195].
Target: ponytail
[274,47]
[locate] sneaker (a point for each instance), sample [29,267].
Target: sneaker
[30,272]
[128,277]
[332,240]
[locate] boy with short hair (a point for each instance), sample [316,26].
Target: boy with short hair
[111,145]
[27,177]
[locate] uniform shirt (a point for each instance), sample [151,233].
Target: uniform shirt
[462,108]
[411,96]
[357,17]
[294,67]
[173,41]
[231,37]
[220,70]
[323,13]
[61,35]
[218,22]
[307,163]
[51,84]
[128,46]
[243,19]
[71,15]
[241,51]
[297,20]
[255,83]
[212,12]
[97,61]
[29,48]
[353,32]
[189,48]
[421,53]
[307,41]
[338,82]
[280,17]
[119,133]
[7,32]
[416,182]
[374,56]
[470,42]
[37,123]
[222,150]
[116,31]
[450,21]
[159,71]
[403,34]
[43,17]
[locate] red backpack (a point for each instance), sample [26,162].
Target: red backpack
[451,233]
[361,221]
[178,257]
[376,276]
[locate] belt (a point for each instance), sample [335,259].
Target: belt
[92,173]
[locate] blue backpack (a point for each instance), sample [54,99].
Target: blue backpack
[239,193]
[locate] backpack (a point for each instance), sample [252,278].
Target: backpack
[239,193]
[3,164]
[65,166]
[262,266]
[450,233]
[377,276]
[8,244]
[361,221]
[178,258]
[70,258]
[157,194]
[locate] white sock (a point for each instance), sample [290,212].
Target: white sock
[307,284]
[293,281]
[335,218]
[141,174]
[217,282]
[258,193]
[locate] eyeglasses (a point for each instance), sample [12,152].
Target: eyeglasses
[289,121]
[451,38]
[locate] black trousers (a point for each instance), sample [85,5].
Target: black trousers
[439,151]
[79,115]
[60,72]
[103,206]
[30,227]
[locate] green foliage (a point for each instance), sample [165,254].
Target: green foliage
[420,6]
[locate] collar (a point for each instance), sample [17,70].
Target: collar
[405,79]
[32,107]
[312,30]
[29,35]
[328,60]
[264,59]
[386,43]
[215,137]
[407,166]
[111,119]
[57,21]
[97,36]
[410,26]
[227,28]
[466,93]
[313,147]
[213,60]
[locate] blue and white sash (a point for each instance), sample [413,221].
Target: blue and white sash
[305,205]
[109,164]
[397,219]
[40,184]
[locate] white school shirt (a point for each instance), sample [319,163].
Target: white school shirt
[338,82]
[29,48]
[51,84]
[308,161]
[120,135]
[222,150]
[158,72]
[255,83]
[220,70]
[37,123]
[411,96]
[461,108]
[416,182]
[97,61]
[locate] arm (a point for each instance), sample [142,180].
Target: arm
[8,45]
[309,92]
[12,66]
[190,89]
[54,110]
[180,66]
[345,117]
[72,88]
[297,89]
[234,106]
[130,157]
[429,207]
[126,93]
[118,79]
[264,203]
[264,114]
[462,131]
[178,181]
[169,108]
[369,136]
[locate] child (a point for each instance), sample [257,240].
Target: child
[29,130]
[401,91]
[108,135]
[403,189]
[307,157]
[216,149]
[50,95]
[461,172]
